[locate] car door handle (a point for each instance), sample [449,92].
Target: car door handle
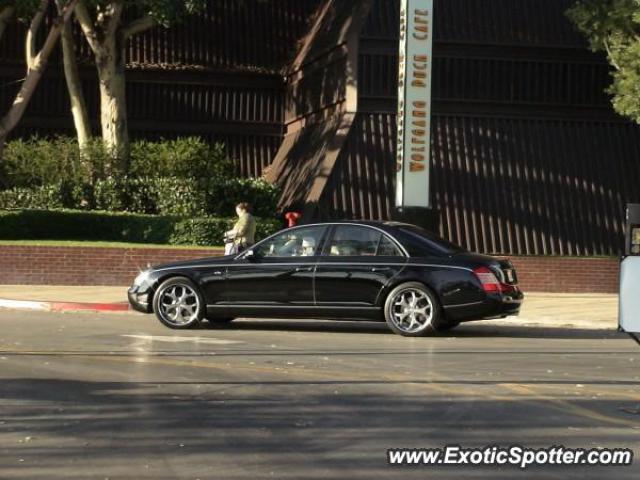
[304,269]
[380,269]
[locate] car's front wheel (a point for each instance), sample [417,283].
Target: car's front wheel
[178,303]
[412,310]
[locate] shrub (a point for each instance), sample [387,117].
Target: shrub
[38,161]
[176,196]
[223,196]
[60,195]
[200,231]
[119,227]
[186,177]
[164,196]
[189,157]
[41,161]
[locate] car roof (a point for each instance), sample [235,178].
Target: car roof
[371,223]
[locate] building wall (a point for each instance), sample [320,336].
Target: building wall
[528,156]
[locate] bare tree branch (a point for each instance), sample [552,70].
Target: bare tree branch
[15,113]
[74,84]
[5,15]
[137,26]
[115,16]
[32,33]
[610,53]
[86,24]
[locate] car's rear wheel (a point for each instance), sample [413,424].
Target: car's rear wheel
[178,303]
[412,310]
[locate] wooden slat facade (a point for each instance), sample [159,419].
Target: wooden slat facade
[528,156]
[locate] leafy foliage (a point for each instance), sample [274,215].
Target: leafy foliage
[168,12]
[192,206]
[164,12]
[188,157]
[119,227]
[164,195]
[23,8]
[613,26]
[44,161]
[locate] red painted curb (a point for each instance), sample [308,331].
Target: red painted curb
[99,307]
[63,306]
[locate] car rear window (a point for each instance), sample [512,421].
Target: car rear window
[420,242]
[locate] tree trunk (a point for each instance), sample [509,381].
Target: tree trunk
[34,74]
[74,85]
[113,105]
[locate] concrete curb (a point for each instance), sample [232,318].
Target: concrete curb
[63,306]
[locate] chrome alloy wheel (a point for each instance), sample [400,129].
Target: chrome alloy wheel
[179,305]
[411,310]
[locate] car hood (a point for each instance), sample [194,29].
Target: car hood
[195,262]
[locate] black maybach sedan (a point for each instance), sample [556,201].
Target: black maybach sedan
[415,281]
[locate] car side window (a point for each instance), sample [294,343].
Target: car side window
[298,242]
[353,241]
[386,248]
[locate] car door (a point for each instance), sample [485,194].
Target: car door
[280,271]
[356,263]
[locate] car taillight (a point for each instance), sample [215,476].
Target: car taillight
[489,281]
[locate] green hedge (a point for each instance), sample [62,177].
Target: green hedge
[120,227]
[186,177]
[161,196]
[46,161]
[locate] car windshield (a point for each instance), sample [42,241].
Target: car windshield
[419,241]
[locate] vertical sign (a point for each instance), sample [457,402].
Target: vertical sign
[414,103]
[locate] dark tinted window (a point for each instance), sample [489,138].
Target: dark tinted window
[297,242]
[387,248]
[353,241]
[420,242]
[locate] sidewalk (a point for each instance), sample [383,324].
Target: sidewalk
[62,298]
[592,311]
[573,310]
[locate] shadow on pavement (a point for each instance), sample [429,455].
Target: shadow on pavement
[289,426]
[465,330]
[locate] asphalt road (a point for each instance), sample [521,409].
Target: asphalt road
[86,396]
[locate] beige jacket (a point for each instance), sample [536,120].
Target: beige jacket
[245,229]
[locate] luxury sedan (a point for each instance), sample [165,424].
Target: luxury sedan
[387,271]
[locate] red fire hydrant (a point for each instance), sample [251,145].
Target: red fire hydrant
[292,218]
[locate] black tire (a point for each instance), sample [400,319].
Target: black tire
[189,295]
[425,317]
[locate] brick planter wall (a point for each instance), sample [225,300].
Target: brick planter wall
[32,265]
[568,274]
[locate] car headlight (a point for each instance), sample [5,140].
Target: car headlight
[141,278]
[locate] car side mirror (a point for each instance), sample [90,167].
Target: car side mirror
[251,255]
